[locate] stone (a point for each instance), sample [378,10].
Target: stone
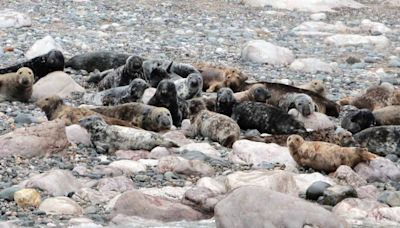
[315,121]
[249,152]
[108,171]
[309,6]
[8,193]
[149,162]
[194,168]
[23,118]
[197,197]
[10,18]
[148,94]
[159,152]
[178,137]
[379,169]
[311,65]
[318,16]
[367,192]
[78,135]
[92,196]
[390,198]
[345,175]
[168,163]
[56,83]
[81,221]
[27,197]
[134,221]
[254,206]
[316,190]
[355,40]
[204,148]
[280,181]
[43,46]
[135,203]
[60,206]
[167,192]
[260,51]
[55,182]
[334,194]
[128,167]
[36,141]
[132,154]
[373,27]
[319,28]
[119,184]
[304,181]
[213,185]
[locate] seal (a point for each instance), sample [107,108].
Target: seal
[375,97]
[166,96]
[327,157]
[141,115]
[41,65]
[381,140]
[300,101]
[17,86]
[110,138]
[55,108]
[317,86]
[256,92]
[189,87]
[100,60]
[265,118]
[225,101]
[358,120]
[176,70]
[158,74]
[217,77]
[389,115]
[123,75]
[118,95]
[216,127]
[315,120]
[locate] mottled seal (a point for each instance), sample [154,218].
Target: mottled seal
[389,115]
[189,87]
[141,115]
[358,120]
[217,77]
[123,75]
[166,96]
[173,68]
[100,60]
[265,118]
[256,92]
[118,95]
[316,86]
[16,86]
[41,65]
[382,140]
[55,108]
[375,97]
[215,126]
[110,138]
[327,157]
[300,101]
[225,101]
[157,75]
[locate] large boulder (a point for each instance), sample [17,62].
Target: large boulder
[261,51]
[253,206]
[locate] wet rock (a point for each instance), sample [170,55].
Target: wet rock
[60,206]
[27,197]
[316,190]
[260,51]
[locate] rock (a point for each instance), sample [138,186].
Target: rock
[213,185]
[318,28]
[352,60]
[265,208]
[60,206]
[167,192]
[249,152]
[200,198]
[260,51]
[27,197]
[334,194]
[8,193]
[316,190]
[78,135]
[40,140]
[315,121]
[43,46]
[82,221]
[132,154]
[128,167]
[6,124]
[311,65]
[318,16]
[379,169]
[168,163]
[346,176]
[134,221]
[56,83]
[367,192]
[390,198]
[135,203]
[159,152]
[204,148]
[178,137]
[93,197]
[304,181]
[10,18]
[194,168]
[108,171]
[119,184]
[395,62]
[373,27]
[354,40]
[309,6]
[23,118]
[278,180]
[149,162]
[55,182]
[148,94]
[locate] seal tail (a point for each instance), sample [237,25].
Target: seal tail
[366,155]
[228,142]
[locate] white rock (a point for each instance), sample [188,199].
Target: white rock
[10,18]
[204,148]
[168,192]
[60,206]
[260,51]
[309,5]
[311,65]
[148,94]
[128,166]
[353,40]
[320,28]
[373,27]
[55,83]
[318,16]
[77,134]
[42,47]
[212,184]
